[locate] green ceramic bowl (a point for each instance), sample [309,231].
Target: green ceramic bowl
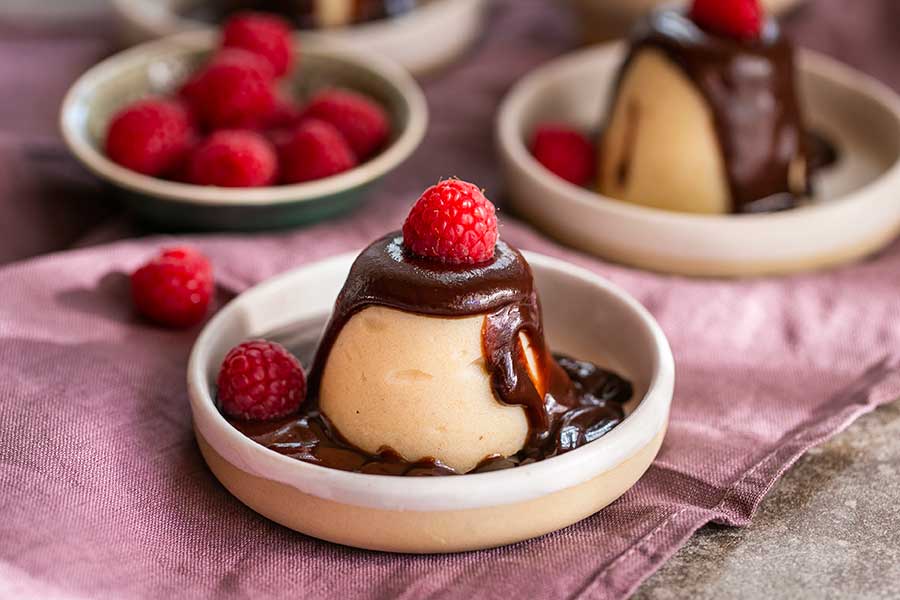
[160,66]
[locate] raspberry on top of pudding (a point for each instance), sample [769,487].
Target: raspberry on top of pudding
[434,360]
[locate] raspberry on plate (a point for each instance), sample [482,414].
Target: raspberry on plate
[264,34]
[362,121]
[175,288]
[260,380]
[740,19]
[452,222]
[235,89]
[233,158]
[313,150]
[150,136]
[564,151]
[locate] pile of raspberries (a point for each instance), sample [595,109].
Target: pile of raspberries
[230,125]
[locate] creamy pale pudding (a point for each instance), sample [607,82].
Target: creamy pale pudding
[434,360]
[307,14]
[706,117]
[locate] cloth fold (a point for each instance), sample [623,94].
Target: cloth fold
[104,492]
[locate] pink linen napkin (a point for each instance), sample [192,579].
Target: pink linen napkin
[104,493]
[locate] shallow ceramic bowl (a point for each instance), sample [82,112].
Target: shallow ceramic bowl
[158,67]
[855,212]
[602,20]
[417,41]
[584,316]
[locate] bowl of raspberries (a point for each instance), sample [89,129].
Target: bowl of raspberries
[247,128]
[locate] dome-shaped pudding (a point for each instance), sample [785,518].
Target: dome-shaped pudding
[705,122]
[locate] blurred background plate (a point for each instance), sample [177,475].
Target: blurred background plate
[426,38]
[855,211]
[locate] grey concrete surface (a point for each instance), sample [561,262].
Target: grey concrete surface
[829,529]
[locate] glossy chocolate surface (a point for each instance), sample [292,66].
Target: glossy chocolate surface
[302,13]
[577,402]
[750,89]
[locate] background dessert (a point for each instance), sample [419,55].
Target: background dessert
[706,117]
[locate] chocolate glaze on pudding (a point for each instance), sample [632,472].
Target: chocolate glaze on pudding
[580,402]
[302,13]
[750,89]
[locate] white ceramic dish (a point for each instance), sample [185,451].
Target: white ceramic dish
[855,213]
[417,41]
[443,514]
[602,20]
[158,67]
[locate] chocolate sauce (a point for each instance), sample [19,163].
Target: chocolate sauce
[577,402]
[311,438]
[302,13]
[751,92]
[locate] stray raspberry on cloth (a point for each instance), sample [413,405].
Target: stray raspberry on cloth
[174,289]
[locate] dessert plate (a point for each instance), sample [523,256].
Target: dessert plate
[417,41]
[855,211]
[439,514]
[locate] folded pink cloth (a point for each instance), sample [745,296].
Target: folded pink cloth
[103,491]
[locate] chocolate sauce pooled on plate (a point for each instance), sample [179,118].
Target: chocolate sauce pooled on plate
[750,89]
[581,401]
[310,437]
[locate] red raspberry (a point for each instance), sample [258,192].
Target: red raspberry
[740,19]
[452,222]
[234,90]
[233,158]
[565,152]
[313,150]
[364,123]
[175,288]
[264,34]
[260,380]
[284,115]
[150,136]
